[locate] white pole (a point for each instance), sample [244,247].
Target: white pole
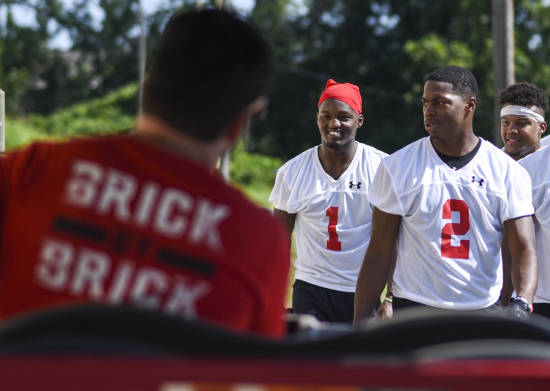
[2,122]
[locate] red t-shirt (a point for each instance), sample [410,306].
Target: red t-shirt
[115,220]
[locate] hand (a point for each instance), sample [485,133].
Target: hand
[385,311]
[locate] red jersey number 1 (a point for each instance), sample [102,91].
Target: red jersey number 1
[333,243]
[463,250]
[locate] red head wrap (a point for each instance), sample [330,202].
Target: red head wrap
[345,92]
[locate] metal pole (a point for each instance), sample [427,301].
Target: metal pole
[2,121]
[224,4]
[503,55]
[225,159]
[142,55]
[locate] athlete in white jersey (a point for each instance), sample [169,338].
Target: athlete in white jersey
[451,225]
[539,169]
[522,125]
[447,202]
[322,193]
[544,141]
[522,119]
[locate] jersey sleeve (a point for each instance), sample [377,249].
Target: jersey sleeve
[539,178]
[281,192]
[382,193]
[519,194]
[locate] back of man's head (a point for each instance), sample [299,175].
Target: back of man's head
[208,67]
[524,94]
[463,81]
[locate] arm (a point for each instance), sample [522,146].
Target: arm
[507,286]
[385,311]
[519,238]
[377,263]
[288,220]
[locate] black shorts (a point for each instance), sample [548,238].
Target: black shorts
[399,303]
[327,305]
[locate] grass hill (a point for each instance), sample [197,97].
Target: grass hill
[254,174]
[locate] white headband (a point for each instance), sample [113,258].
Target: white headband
[522,111]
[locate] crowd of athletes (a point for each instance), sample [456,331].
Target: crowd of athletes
[144,219]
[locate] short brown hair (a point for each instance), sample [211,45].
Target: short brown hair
[208,66]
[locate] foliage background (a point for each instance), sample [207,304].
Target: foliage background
[385,46]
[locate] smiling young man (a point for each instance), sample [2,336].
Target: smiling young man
[522,118]
[522,125]
[323,192]
[537,166]
[447,201]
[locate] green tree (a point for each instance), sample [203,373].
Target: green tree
[23,50]
[387,47]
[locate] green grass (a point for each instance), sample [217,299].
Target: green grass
[259,194]
[20,132]
[110,113]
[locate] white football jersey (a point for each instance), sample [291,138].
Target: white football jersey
[544,141]
[537,165]
[452,222]
[333,216]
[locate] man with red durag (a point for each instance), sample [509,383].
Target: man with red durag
[323,194]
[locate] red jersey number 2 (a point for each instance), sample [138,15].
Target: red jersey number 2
[461,228]
[333,243]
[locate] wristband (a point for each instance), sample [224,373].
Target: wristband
[389,297]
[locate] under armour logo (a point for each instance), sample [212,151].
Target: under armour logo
[351,184]
[478,180]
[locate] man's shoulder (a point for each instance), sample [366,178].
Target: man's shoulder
[537,163]
[501,171]
[407,155]
[305,155]
[369,150]
[534,158]
[23,160]
[54,147]
[42,154]
[496,158]
[305,158]
[491,148]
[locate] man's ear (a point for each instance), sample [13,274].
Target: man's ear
[242,121]
[542,127]
[237,126]
[471,103]
[360,120]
